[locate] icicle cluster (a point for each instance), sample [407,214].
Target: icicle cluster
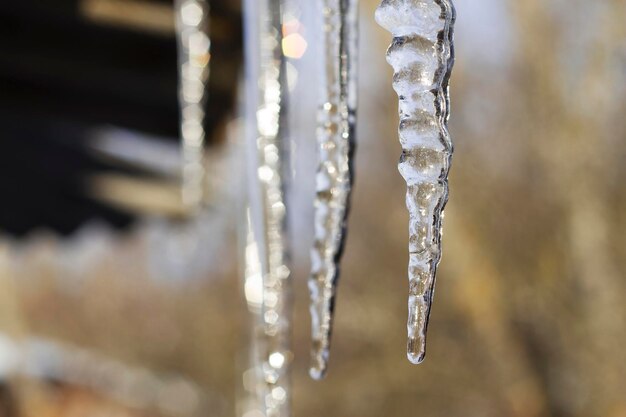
[269,156]
[335,136]
[192,27]
[422,56]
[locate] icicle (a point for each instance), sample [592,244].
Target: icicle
[335,137]
[251,400]
[422,56]
[192,27]
[267,143]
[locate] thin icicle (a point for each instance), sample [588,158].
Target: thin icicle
[269,162]
[422,56]
[335,137]
[192,27]
[251,400]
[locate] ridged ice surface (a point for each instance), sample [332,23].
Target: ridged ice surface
[192,28]
[422,56]
[335,136]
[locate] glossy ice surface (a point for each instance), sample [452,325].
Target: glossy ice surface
[192,28]
[335,136]
[269,164]
[421,55]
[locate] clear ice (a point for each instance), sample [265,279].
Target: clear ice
[335,136]
[267,144]
[422,57]
[192,29]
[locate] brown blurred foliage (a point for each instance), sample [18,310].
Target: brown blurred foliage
[530,315]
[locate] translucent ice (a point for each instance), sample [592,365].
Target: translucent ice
[192,28]
[422,56]
[268,143]
[335,136]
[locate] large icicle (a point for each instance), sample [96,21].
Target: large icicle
[422,56]
[335,137]
[269,167]
[192,28]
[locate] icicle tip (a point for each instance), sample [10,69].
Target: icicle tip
[319,361]
[415,351]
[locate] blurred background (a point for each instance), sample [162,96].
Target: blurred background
[118,300]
